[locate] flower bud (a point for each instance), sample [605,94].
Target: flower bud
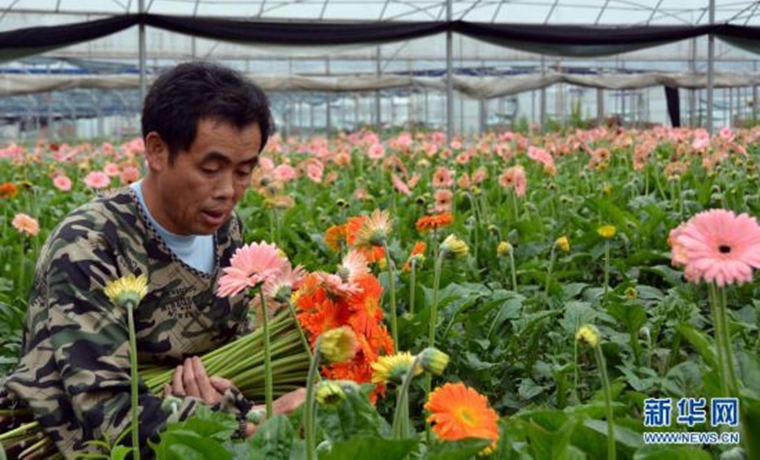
[563,243]
[589,334]
[433,360]
[503,248]
[338,345]
[454,248]
[607,231]
[329,393]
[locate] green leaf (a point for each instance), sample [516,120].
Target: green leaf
[370,448]
[576,315]
[623,436]
[273,439]
[699,341]
[510,309]
[208,424]
[181,445]
[633,316]
[750,420]
[671,453]
[117,453]
[551,445]
[572,290]
[457,450]
[683,380]
[749,369]
[355,416]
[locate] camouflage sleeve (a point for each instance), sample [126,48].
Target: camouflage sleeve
[89,338]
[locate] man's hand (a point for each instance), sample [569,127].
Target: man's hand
[285,404]
[289,402]
[190,379]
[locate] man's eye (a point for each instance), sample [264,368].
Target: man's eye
[210,170]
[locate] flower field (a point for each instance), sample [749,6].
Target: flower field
[572,280]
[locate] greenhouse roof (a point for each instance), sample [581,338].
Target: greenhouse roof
[586,12]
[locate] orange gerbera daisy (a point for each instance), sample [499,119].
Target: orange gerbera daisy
[367,311]
[459,412]
[373,231]
[335,236]
[8,190]
[353,226]
[434,222]
[418,250]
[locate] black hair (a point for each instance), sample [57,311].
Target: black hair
[180,97]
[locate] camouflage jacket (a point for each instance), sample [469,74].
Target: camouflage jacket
[74,372]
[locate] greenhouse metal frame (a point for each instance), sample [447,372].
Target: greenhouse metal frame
[99,36]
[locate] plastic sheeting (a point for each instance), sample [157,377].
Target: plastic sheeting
[473,87]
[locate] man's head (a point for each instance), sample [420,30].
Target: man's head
[204,126]
[189,92]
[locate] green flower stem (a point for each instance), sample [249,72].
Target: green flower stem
[729,354]
[607,402]
[301,334]
[431,332]
[512,269]
[310,434]
[606,268]
[712,292]
[392,293]
[723,338]
[268,395]
[412,284]
[401,414]
[133,378]
[575,369]
[552,256]
[20,430]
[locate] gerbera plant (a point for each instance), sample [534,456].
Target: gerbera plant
[459,412]
[721,249]
[250,267]
[127,292]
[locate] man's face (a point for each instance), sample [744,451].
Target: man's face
[198,192]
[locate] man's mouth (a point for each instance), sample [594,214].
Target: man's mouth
[214,217]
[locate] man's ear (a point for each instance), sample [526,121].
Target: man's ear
[156,152]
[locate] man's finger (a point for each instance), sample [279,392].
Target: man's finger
[167,390]
[188,378]
[207,391]
[221,384]
[178,388]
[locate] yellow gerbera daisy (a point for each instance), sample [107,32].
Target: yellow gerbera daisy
[393,368]
[127,289]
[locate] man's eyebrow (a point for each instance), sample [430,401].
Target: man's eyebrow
[215,156]
[219,156]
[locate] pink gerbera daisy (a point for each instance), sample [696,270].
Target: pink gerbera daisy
[97,179]
[26,224]
[719,246]
[288,280]
[62,183]
[353,265]
[249,266]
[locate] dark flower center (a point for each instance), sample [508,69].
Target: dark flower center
[724,248]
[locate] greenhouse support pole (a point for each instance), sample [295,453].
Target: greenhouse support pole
[328,102]
[378,107]
[143,85]
[754,99]
[600,106]
[693,92]
[710,69]
[449,76]
[543,94]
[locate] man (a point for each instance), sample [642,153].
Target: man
[203,126]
